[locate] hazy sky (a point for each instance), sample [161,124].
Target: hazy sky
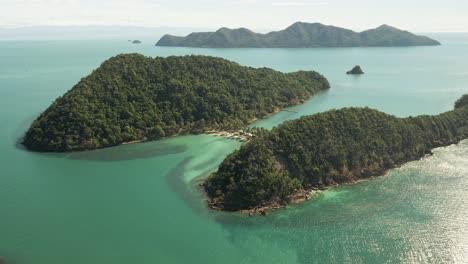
[415,15]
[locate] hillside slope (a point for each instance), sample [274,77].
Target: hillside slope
[133,97]
[299,35]
[326,149]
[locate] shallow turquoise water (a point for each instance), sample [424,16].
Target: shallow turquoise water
[140,204]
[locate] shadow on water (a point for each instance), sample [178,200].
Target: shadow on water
[204,165]
[130,152]
[191,194]
[118,153]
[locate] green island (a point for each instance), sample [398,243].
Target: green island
[290,162]
[299,35]
[132,98]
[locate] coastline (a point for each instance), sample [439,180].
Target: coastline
[277,110]
[305,195]
[244,136]
[134,142]
[298,197]
[229,134]
[240,135]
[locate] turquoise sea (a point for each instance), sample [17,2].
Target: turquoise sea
[140,203]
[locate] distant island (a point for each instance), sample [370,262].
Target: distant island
[356,70]
[299,35]
[285,165]
[136,41]
[132,98]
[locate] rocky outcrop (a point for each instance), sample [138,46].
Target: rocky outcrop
[355,71]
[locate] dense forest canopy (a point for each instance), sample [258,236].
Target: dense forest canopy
[325,149]
[463,101]
[299,35]
[132,97]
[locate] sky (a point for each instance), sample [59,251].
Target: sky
[262,15]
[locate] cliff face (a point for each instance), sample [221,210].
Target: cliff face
[327,149]
[299,35]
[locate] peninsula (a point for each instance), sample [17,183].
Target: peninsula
[314,152]
[299,35]
[133,98]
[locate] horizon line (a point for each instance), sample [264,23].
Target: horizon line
[6,26]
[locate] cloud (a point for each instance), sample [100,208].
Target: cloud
[309,3]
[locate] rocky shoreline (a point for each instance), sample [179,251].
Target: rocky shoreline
[296,198]
[307,194]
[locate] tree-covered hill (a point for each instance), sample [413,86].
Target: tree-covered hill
[133,97]
[463,101]
[334,147]
[299,35]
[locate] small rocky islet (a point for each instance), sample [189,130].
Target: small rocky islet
[356,70]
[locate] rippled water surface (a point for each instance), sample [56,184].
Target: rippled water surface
[140,203]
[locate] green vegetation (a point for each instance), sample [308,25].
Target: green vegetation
[299,35]
[326,149]
[463,101]
[133,97]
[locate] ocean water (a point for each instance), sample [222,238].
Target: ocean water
[140,203]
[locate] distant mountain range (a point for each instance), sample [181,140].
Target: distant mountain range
[299,35]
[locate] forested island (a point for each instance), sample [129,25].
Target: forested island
[314,152]
[299,35]
[132,98]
